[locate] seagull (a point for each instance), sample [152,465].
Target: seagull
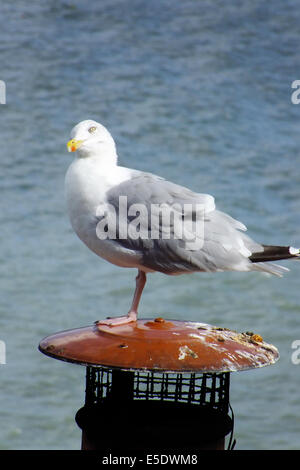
[139,220]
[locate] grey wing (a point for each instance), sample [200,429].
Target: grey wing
[175,230]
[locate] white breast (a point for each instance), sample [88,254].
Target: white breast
[86,185]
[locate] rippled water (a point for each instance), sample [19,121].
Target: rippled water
[196,91]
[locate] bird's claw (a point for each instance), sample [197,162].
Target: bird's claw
[132,316]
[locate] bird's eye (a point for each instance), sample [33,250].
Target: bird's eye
[92,129]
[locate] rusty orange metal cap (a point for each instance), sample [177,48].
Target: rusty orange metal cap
[161,345]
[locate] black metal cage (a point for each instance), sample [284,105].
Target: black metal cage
[151,407]
[211,390]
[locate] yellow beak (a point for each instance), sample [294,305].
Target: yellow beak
[73,145]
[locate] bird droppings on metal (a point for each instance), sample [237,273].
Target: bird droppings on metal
[186,351]
[161,345]
[248,338]
[200,337]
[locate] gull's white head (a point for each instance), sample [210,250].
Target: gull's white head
[92,139]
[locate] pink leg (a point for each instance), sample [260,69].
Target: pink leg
[133,312]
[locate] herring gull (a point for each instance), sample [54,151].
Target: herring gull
[139,220]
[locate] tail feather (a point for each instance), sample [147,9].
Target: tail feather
[270,268]
[274,253]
